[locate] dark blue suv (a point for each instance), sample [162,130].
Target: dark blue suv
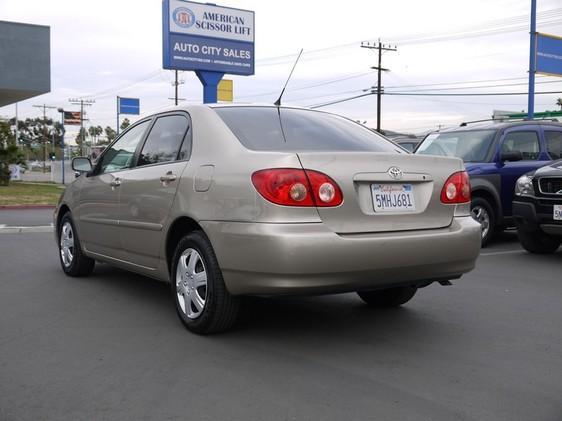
[495,155]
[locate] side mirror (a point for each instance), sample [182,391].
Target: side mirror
[511,156]
[81,164]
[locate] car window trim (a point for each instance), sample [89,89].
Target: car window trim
[97,168]
[155,119]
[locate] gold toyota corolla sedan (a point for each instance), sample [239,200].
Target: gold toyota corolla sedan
[228,201]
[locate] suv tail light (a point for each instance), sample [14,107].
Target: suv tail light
[456,189]
[297,187]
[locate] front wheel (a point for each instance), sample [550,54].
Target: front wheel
[537,241]
[72,259]
[202,301]
[390,297]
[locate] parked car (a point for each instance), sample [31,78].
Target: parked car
[496,155]
[537,208]
[408,143]
[227,201]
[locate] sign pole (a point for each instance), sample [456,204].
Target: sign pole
[117,115]
[532,61]
[210,81]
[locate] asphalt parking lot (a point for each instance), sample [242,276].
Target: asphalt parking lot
[111,347]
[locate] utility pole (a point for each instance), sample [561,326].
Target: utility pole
[175,84]
[45,140]
[82,103]
[380,47]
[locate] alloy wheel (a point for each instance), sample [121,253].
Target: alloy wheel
[481,215]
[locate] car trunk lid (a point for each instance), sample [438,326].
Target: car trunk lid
[365,178]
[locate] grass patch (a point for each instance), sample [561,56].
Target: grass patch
[20,193]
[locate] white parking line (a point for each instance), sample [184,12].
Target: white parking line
[495,253]
[18,230]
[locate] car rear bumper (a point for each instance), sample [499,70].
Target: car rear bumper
[267,259]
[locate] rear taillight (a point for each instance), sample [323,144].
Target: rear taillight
[456,189]
[297,187]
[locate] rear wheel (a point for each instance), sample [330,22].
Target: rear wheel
[391,297]
[202,301]
[483,213]
[72,260]
[537,241]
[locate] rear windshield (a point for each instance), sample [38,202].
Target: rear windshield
[295,130]
[470,146]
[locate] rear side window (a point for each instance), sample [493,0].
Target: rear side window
[554,144]
[525,142]
[164,140]
[294,130]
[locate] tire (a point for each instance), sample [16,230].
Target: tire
[391,297]
[536,241]
[202,301]
[72,259]
[483,213]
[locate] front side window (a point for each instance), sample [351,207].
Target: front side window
[554,144]
[296,130]
[121,154]
[164,140]
[525,142]
[469,145]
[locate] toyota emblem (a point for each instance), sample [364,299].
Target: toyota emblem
[395,173]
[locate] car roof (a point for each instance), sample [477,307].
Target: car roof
[496,125]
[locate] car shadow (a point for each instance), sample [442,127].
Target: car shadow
[343,315]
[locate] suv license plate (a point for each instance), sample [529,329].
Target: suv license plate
[557,213]
[393,197]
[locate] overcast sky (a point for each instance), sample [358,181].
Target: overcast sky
[102,48]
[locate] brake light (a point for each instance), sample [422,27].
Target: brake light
[297,187]
[456,189]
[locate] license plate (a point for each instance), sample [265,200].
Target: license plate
[557,213]
[393,197]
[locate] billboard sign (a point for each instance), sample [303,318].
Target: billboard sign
[207,37]
[549,54]
[128,105]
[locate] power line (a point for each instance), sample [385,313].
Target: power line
[471,94]
[429,94]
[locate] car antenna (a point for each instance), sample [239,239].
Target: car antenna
[278,102]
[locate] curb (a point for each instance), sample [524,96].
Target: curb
[15,207]
[21,230]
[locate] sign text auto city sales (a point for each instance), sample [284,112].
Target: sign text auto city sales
[208,37]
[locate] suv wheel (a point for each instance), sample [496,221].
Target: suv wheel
[482,213]
[536,241]
[390,297]
[202,301]
[72,260]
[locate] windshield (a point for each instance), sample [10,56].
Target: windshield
[470,146]
[296,130]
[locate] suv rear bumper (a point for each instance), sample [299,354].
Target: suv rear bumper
[268,259]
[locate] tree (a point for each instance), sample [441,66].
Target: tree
[125,123]
[81,136]
[559,103]
[110,134]
[9,152]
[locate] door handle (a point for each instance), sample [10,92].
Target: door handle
[116,182]
[168,177]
